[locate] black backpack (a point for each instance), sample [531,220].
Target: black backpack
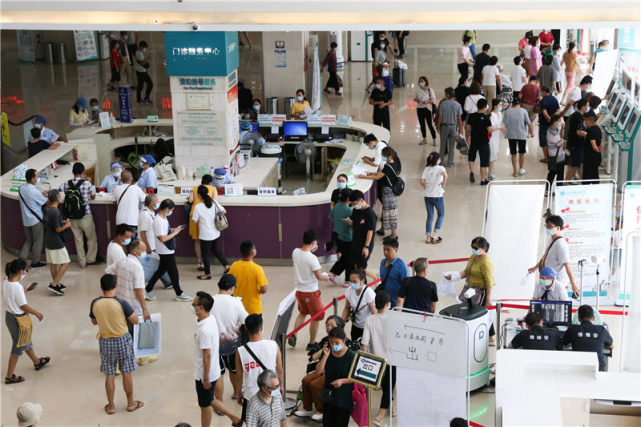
[398,186]
[74,205]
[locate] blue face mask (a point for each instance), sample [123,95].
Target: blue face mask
[545,282]
[549,232]
[384,159]
[38,180]
[500,109]
[141,164]
[275,393]
[38,125]
[476,252]
[357,207]
[337,348]
[299,98]
[256,107]
[372,147]
[355,286]
[421,84]
[94,107]
[342,185]
[157,206]
[382,45]
[378,86]
[169,213]
[126,241]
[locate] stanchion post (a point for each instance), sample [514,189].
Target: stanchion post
[498,324]
[368,392]
[335,300]
[288,403]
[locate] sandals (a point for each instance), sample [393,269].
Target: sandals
[42,363]
[110,411]
[428,240]
[13,379]
[436,241]
[203,277]
[139,405]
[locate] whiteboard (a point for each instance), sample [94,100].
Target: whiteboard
[427,343]
[429,399]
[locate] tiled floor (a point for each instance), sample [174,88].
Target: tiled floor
[71,389]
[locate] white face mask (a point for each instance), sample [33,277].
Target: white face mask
[23,275]
[117,173]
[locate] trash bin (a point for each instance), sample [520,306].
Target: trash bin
[271,105]
[59,53]
[478,319]
[49,53]
[288,101]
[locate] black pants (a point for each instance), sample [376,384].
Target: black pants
[207,246]
[558,173]
[115,75]
[335,416]
[591,169]
[142,79]
[464,69]
[425,115]
[386,398]
[332,82]
[343,264]
[357,333]
[401,45]
[381,118]
[167,264]
[132,48]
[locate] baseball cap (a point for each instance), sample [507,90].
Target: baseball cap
[548,272]
[220,172]
[41,119]
[28,414]
[116,165]
[148,158]
[82,102]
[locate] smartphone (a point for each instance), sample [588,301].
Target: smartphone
[32,286]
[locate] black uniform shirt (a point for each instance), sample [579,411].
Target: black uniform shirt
[538,338]
[588,337]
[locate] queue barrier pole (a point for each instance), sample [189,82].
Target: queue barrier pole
[499,305]
[335,303]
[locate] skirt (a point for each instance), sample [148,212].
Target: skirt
[390,209]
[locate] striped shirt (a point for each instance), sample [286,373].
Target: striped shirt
[86,190]
[263,414]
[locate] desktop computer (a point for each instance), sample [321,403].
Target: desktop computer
[554,313]
[294,130]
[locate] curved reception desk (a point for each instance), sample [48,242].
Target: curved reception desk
[275,223]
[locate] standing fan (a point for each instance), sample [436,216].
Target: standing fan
[251,141]
[305,154]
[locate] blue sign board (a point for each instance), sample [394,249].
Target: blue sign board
[125,103]
[207,53]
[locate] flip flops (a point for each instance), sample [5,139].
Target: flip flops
[139,405]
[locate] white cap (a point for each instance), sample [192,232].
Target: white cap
[29,414]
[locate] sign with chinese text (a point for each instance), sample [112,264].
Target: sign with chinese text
[125,103]
[203,53]
[367,369]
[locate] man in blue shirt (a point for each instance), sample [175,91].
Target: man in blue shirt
[46,134]
[31,201]
[393,269]
[148,177]
[113,179]
[549,107]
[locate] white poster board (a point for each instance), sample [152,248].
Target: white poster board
[27,46]
[200,127]
[86,46]
[604,67]
[514,210]
[587,217]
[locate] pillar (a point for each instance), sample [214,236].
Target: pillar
[202,69]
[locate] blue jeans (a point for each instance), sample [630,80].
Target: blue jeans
[473,50]
[430,204]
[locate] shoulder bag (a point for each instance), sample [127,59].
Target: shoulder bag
[29,207]
[398,186]
[253,355]
[541,263]
[220,221]
[381,287]
[123,193]
[352,313]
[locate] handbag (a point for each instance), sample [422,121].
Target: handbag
[147,334]
[552,161]
[220,221]
[360,412]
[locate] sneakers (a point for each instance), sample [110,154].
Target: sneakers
[492,177]
[168,286]
[485,182]
[38,265]
[145,360]
[183,298]
[200,267]
[304,414]
[292,341]
[150,297]
[521,172]
[318,418]
[472,177]
[61,286]
[56,290]
[451,164]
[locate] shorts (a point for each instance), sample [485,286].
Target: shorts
[310,303]
[228,362]
[205,397]
[513,144]
[14,331]
[576,156]
[484,154]
[117,351]
[57,256]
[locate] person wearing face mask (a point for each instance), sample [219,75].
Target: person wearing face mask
[383,64]
[557,253]
[376,146]
[148,178]
[546,74]
[517,124]
[129,198]
[464,58]
[297,111]
[426,102]
[266,408]
[208,234]
[576,133]
[363,223]
[307,273]
[36,144]
[359,303]
[381,99]
[17,318]
[141,65]
[478,129]
[111,181]
[251,281]
[535,56]
[45,133]
[548,106]
[165,245]
[341,184]
[55,250]
[116,248]
[479,275]
[573,96]
[256,109]
[78,115]
[330,61]
[594,146]
[146,235]
[550,288]
[393,270]
[335,363]
[207,360]
[341,234]
[194,231]
[433,181]
[94,111]
[491,79]
[245,96]
[496,118]
[556,149]
[536,337]
[31,201]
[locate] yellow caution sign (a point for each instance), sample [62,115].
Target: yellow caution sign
[6,135]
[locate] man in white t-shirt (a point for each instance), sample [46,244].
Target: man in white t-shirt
[573,96]
[146,234]
[116,248]
[377,146]
[518,76]
[230,315]
[141,65]
[254,357]
[307,273]
[491,80]
[206,360]
[128,197]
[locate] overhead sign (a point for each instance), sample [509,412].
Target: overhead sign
[206,53]
[367,369]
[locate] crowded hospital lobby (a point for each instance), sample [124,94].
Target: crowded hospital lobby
[271,214]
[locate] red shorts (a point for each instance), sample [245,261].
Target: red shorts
[310,303]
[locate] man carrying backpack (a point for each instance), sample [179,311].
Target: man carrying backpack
[78,191]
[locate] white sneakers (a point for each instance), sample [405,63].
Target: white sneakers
[183,298]
[307,414]
[150,297]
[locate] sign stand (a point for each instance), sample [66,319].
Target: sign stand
[367,370]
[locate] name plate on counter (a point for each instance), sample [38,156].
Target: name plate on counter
[185,191]
[314,119]
[344,120]
[267,191]
[328,119]
[278,119]
[152,118]
[264,119]
[233,190]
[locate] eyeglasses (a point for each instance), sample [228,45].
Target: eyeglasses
[276,387]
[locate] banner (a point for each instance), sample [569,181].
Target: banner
[86,46]
[587,216]
[514,210]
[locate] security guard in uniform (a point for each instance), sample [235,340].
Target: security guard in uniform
[588,337]
[536,337]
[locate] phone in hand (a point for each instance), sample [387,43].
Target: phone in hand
[32,286]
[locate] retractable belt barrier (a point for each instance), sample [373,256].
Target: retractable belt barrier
[527,307]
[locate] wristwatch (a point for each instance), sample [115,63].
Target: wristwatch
[205,378]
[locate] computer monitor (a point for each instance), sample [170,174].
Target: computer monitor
[625,115]
[626,82]
[633,122]
[613,99]
[618,107]
[295,129]
[554,313]
[253,126]
[611,86]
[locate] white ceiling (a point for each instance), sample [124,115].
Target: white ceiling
[260,15]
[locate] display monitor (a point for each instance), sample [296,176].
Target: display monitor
[295,129]
[617,108]
[253,126]
[554,313]
[613,99]
[625,115]
[626,82]
[611,86]
[637,91]
[632,123]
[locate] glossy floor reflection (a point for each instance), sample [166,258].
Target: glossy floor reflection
[71,389]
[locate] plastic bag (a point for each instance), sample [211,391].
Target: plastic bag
[359,413]
[446,287]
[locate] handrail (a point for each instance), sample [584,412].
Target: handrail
[22,122]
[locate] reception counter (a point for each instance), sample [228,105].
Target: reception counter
[275,223]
